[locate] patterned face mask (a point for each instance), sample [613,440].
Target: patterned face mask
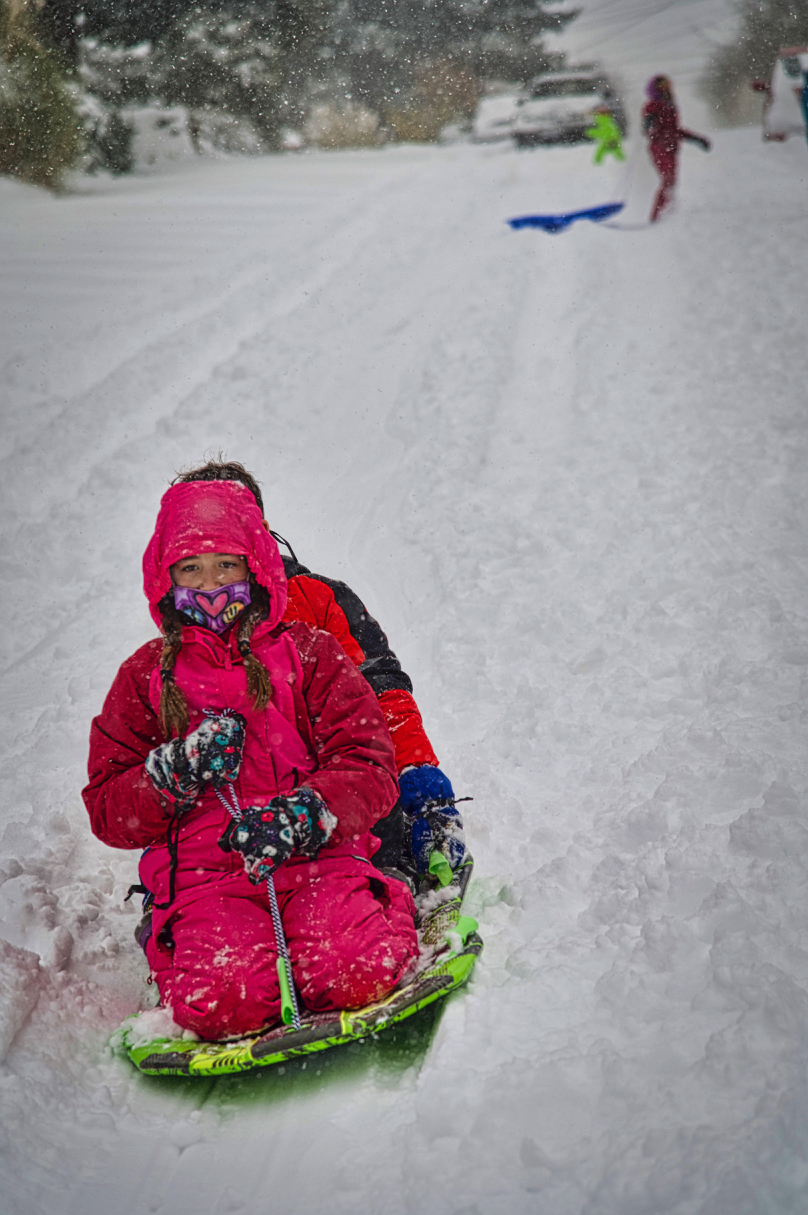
[215,610]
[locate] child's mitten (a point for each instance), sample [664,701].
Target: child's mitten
[423,784]
[427,798]
[437,828]
[215,747]
[266,836]
[212,753]
[172,773]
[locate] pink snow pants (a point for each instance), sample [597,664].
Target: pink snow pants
[349,928]
[666,165]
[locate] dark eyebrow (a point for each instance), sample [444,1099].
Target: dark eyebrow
[220,556]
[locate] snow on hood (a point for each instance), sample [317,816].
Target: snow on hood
[212,517]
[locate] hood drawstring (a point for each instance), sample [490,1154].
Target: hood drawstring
[282,540]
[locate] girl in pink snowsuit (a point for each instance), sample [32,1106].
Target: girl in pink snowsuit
[231,702]
[660,119]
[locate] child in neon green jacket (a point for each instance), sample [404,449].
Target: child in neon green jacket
[607,135]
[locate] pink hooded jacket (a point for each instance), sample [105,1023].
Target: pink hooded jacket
[211,517]
[323,724]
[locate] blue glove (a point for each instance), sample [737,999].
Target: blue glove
[266,836]
[427,798]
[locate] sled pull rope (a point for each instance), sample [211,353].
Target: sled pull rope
[290,1014]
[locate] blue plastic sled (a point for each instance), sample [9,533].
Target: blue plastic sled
[557,223]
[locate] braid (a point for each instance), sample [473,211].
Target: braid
[173,707]
[258,681]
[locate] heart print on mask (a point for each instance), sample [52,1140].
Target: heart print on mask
[214,610]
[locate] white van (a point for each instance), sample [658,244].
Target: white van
[559,107]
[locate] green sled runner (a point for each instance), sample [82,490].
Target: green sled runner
[451,936]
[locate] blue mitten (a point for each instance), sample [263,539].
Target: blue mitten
[212,753]
[266,836]
[427,798]
[421,785]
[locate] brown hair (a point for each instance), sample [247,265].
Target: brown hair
[173,705]
[223,470]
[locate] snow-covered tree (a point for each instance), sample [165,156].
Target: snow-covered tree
[414,64]
[226,61]
[383,44]
[249,60]
[419,63]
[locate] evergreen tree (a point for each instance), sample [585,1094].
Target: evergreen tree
[383,45]
[226,61]
[251,60]
[129,22]
[268,60]
[40,133]
[117,22]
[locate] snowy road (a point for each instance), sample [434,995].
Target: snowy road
[568,475]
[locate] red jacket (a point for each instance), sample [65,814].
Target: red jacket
[660,120]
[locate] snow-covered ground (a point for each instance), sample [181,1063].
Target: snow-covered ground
[568,475]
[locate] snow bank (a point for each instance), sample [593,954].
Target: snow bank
[160,134]
[19,983]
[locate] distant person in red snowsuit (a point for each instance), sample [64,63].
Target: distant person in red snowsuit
[660,120]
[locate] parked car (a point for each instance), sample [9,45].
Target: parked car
[782,112]
[495,117]
[558,107]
